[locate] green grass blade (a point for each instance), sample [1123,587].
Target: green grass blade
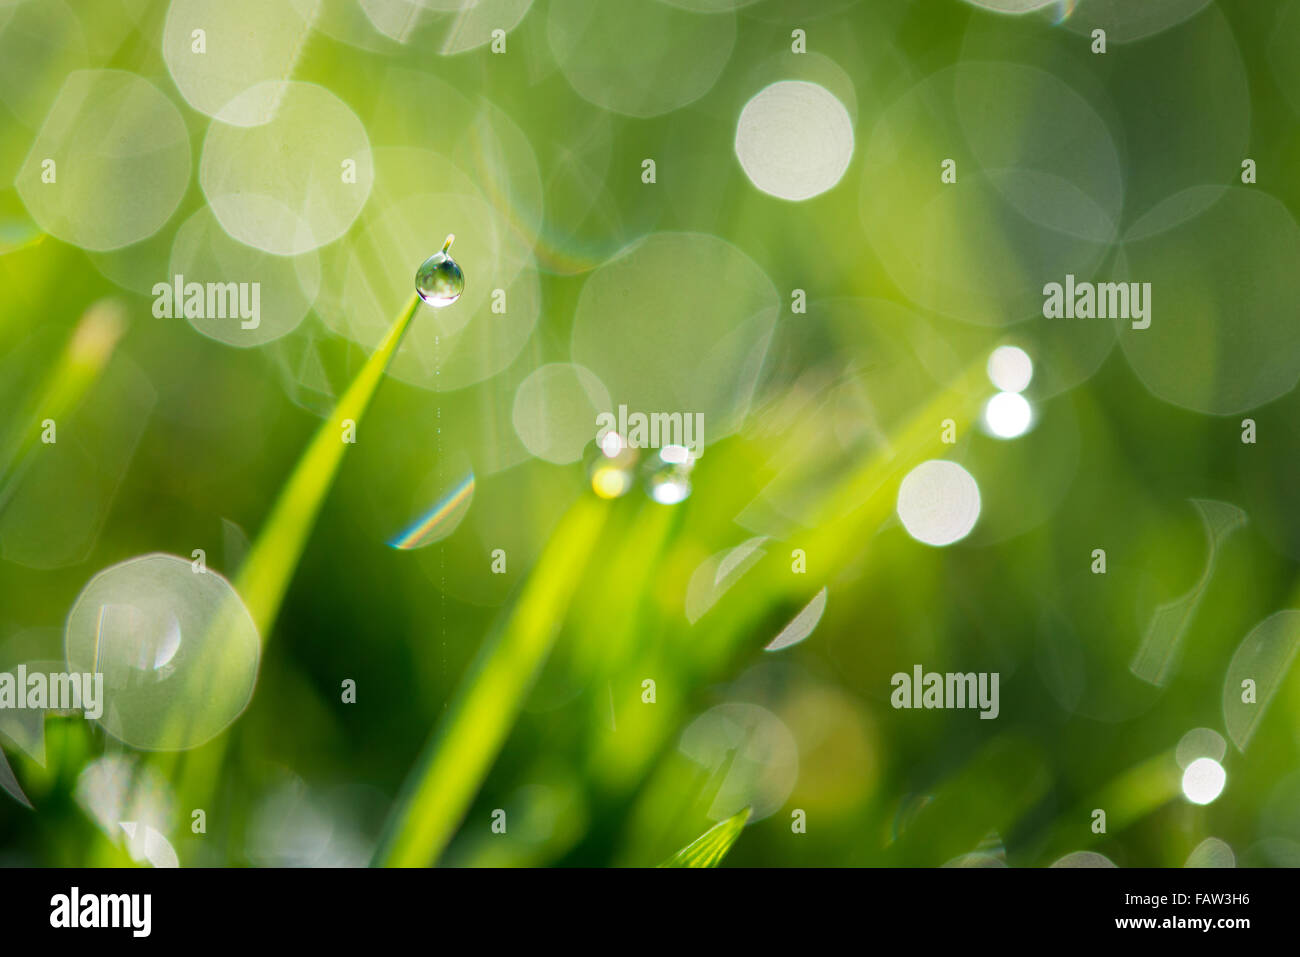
[712,846]
[78,368]
[266,573]
[469,737]
[269,566]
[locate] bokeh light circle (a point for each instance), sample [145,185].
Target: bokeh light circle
[294,179]
[40,45]
[1179,107]
[794,140]
[1212,852]
[1012,6]
[676,58]
[280,288]
[677,323]
[759,754]
[555,411]
[1224,335]
[217,49]
[1037,179]
[1203,781]
[1084,859]
[178,650]
[709,6]
[1200,743]
[1008,414]
[447,26]
[1010,368]
[1126,21]
[117,155]
[938,502]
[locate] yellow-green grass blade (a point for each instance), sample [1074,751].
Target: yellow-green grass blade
[849,513]
[77,369]
[266,573]
[469,737]
[1127,798]
[712,846]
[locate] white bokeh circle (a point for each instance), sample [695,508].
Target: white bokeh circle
[294,181]
[110,164]
[938,502]
[794,139]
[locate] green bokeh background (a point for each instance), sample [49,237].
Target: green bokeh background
[589,774]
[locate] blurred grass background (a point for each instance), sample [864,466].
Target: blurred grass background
[202,438]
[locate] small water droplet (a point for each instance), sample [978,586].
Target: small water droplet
[667,474]
[440,281]
[611,466]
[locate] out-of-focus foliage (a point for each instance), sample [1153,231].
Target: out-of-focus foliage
[470,657]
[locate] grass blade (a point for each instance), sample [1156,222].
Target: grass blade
[266,572]
[469,737]
[268,568]
[79,366]
[712,846]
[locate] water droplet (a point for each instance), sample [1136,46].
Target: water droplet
[440,280]
[610,466]
[668,475]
